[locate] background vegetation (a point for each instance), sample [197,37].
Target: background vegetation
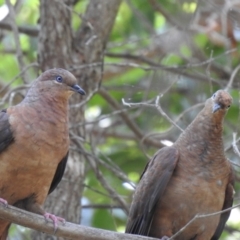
[180,51]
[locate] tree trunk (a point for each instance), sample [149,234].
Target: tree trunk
[58,47]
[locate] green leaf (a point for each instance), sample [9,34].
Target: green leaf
[200,40]
[185,51]
[171,60]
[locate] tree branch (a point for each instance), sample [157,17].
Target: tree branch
[128,121]
[30,31]
[68,230]
[16,39]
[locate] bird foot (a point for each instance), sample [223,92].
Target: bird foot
[4,202]
[164,238]
[55,220]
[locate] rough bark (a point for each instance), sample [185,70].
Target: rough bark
[58,47]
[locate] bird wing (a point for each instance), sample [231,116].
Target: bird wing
[228,202]
[58,174]
[150,189]
[6,134]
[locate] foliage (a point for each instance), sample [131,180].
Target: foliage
[156,48]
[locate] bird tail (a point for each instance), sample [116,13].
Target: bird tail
[4,232]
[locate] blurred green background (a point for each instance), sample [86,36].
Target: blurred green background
[180,50]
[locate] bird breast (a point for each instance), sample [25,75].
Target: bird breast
[40,142]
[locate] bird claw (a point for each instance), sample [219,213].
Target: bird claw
[4,202]
[55,220]
[164,238]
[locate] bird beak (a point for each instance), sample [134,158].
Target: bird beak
[78,89]
[216,107]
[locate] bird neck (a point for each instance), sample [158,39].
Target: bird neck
[203,137]
[56,104]
[208,124]
[208,130]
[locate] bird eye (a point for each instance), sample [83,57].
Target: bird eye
[228,106]
[214,95]
[59,79]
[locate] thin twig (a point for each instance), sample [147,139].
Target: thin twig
[88,98]
[208,72]
[169,17]
[233,163]
[202,216]
[101,206]
[35,64]
[152,63]
[233,75]
[114,168]
[17,40]
[97,191]
[230,146]
[159,108]
[106,185]
[166,132]
[127,120]
[145,23]
[235,148]
[8,95]
[101,178]
[102,117]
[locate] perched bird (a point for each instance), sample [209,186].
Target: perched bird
[189,178]
[34,144]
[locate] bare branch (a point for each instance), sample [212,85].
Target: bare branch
[156,105]
[31,31]
[145,23]
[235,148]
[159,108]
[233,75]
[67,231]
[127,120]
[101,206]
[17,40]
[105,184]
[169,17]
[19,74]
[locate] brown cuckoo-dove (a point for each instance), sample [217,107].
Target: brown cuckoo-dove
[34,143]
[189,178]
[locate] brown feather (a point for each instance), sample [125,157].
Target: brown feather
[34,143]
[198,180]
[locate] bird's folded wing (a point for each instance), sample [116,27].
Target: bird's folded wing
[228,202]
[58,174]
[151,187]
[6,134]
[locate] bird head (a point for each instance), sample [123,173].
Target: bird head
[59,82]
[220,101]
